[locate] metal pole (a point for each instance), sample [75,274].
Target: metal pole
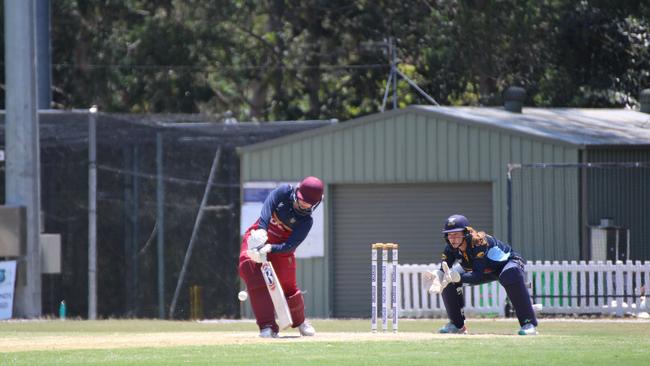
[160,218]
[130,228]
[414,85]
[128,238]
[135,228]
[393,68]
[383,102]
[43,54]
[92,214]
[22,178]
[195,230]
[509,203]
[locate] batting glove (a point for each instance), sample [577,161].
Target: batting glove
[258,254]
[258,237]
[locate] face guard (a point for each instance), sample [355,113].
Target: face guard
[309,190]
[455,223]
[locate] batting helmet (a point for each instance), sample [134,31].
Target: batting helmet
[455,223]
[310,190]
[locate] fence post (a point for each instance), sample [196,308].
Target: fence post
[573,290]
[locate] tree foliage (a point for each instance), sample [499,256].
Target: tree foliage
[279,59]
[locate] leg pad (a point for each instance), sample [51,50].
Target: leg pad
[296,304]
[454,301]
[258,295]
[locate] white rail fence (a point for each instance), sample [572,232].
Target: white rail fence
[561,287]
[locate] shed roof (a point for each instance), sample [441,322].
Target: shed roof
[579,127]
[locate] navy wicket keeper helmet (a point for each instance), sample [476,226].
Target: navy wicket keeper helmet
[455,223]
[310,190]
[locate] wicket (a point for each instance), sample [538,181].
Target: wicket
[385,247]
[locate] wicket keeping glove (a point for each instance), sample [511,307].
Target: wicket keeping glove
[449,276]
[432,281]
[258,254]
[441,278]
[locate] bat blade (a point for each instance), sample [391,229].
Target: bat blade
[277,296]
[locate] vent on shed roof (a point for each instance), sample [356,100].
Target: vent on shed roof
[645,100]
[514,98]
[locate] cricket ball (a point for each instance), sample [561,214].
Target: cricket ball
[242,296]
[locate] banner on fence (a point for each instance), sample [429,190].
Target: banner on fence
[7,286]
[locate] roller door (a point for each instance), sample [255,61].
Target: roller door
[411,215]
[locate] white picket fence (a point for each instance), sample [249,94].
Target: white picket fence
[560,287]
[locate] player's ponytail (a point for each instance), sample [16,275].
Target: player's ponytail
[476,237]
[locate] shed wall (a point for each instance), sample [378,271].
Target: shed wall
[417,147]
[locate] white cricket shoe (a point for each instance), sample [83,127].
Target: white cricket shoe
[528,329]
[268,333]
[306,329]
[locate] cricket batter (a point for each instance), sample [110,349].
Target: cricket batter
[284,223]
[482,259]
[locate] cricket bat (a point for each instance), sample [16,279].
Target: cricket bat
[277,296]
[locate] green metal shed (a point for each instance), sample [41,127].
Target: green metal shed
[395,177]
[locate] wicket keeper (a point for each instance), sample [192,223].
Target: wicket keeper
[482,259]
[283,224]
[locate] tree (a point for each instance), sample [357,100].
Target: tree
[279,59]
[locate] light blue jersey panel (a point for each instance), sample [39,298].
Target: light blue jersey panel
[496,254]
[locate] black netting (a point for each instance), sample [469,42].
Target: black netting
[127,201]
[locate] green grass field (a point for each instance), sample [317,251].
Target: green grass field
[338,342]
